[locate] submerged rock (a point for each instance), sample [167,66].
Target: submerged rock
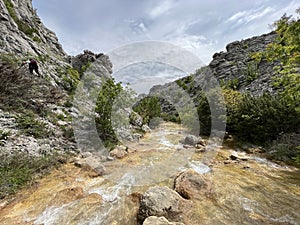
[192,140]
[161,201]
[190,184]
[92,164]
[154,220]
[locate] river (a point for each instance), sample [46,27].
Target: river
[253,191]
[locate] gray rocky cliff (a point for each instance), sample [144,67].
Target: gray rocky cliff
[236,66]
[41,104]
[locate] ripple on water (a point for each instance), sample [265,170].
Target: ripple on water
[199,167]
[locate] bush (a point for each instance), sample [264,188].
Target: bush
[286,147]
[19,92]
[261,119]
[4,134]
[148,108]
[70,80]
[109,92]
[21,169]
[29,125]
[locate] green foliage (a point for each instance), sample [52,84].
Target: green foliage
[29,125]
[84,68]
[109,92]
[68,133]
[148,108]
[37,39]
[261,119]
[204,113]
[170,117]
[4,134]
[70,78]
[9,59]
[286,50]
[43,58]
[18,170]
[187,83]
[230,84]
[251,73]
[286,147]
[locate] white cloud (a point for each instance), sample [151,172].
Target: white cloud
[198,45]
[247,16]
[161,8]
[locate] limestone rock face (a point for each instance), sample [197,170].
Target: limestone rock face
[154,220]
[24,35]
[236,64]
[24,32]
[161,201]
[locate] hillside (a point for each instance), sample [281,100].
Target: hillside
[259,81]
[38,115]
[36,131]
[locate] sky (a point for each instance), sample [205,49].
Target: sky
[202,27]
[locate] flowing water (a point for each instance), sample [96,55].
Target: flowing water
[255,191]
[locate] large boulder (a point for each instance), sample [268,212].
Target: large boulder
[92,164]
[161,201]
[154,220]
[192,140]
[119,152]
[192,185]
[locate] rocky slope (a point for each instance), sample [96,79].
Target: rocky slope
[236,66]
[35,112]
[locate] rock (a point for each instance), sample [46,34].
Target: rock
[192,185]
[233,157]
[136,119]
[62,123]
[109,158]
[161,201]
[146,128]
[258,150]
[191,140]
[154,220]
[86,154]
[92,164]
[238,157]
[200,148]
[119,152]
[67,195]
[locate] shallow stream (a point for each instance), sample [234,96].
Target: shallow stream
[255,191]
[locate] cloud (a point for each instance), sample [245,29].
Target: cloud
[198,44]
[203,27]
[245,17]
[161,8]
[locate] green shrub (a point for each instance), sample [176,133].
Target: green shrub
[109,92]
[148,108]
[70,80]
[251,73]
[20,169]
[261,119]
[4,134]
[286,147]
[29,125]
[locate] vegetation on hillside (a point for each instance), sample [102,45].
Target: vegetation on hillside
[148,108]
[269,120]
